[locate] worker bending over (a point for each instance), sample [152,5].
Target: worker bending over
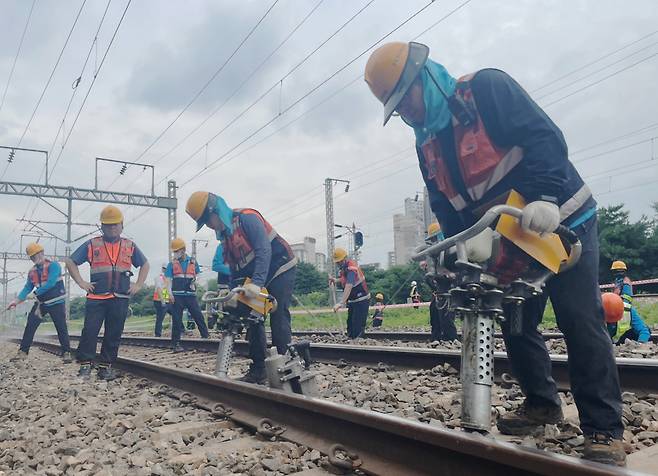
[111,259]
[631,326]
[252,249]
[355,293]
[45,278]
[182,272]
[478,138]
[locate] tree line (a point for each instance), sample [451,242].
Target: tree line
[620,238]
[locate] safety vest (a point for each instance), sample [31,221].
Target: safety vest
[183,279]
[37,279]
[625,322]
[161,293]
[110,274]
[481,163]
[239,253]
[360,287]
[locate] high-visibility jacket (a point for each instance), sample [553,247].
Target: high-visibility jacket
[239,253]
[111,265]
[160,291]
[38,278]
[479,172]
[183,279]
[359,287]
[631,318]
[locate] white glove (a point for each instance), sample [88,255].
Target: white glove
[541,217]
[478,248]
[251,290]
[12,304]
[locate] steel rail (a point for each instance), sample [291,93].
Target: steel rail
[421,336]
[377,443]
[635,375]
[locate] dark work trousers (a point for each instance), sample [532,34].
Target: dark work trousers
[378,318]
[631,334]
[192,305]
[576,300]
[442,321]
[57,313]
[281,288]
[98,312]
[161,311]
[357,315]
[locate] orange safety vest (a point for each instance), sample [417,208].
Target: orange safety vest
[53,294]
[111,265]
[360,287]
[183,280]
[482,163]
[239,254]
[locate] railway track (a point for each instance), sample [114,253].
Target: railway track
[420,336]
[636,375]
[354,439]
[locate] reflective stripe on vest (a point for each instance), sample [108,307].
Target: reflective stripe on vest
[110,277]
[55,293]
[238,252]
[352,265]
[482,164]
[182,279]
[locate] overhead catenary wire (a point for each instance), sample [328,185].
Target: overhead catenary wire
[308,93]
[91,86]
[593,62]
[18,52]
[269,90]
[209,81]
[48,81]
[242,83]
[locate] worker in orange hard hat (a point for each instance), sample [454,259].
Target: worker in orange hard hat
[630,326]
[45,279]
[479,137]
[182,272]
[251,248]
[356,296]
[111,259]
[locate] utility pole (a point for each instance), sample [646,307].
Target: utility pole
[46,191]
[194,246]
[329,211]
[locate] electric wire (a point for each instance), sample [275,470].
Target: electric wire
[209,81]
[45,88]
[18,52]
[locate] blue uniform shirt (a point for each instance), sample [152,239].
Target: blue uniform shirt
[54,273]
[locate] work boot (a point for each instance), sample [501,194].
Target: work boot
[85,370]
[604,449]
[527,419]
[106,372]
[255,375]
[19,357]
[67,358]
[177,348]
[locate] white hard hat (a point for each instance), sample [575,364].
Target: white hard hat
[414,283]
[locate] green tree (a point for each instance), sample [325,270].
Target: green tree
[308,279]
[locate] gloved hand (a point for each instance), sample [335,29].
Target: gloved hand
[12,305]
[541,217]
[251,290]
[478,248]
[337,306]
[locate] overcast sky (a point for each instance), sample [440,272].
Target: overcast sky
[165,52]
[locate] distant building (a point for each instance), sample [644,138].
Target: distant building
[408,230]
[373,266]
[391,259]
[305,251]
[321,262]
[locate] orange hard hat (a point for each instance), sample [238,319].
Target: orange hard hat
[613,307]
[391,70]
